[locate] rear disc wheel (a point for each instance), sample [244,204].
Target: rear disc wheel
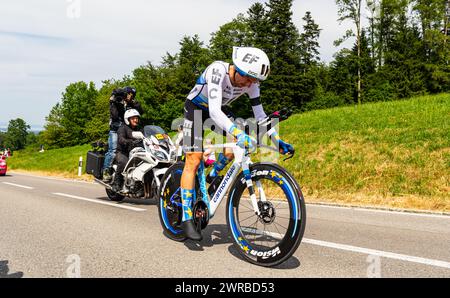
[169,203]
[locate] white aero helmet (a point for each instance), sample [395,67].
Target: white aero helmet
[130,113]
[251,62]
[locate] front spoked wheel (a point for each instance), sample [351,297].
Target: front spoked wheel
[273,236]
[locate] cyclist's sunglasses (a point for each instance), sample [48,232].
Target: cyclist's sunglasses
[246,75]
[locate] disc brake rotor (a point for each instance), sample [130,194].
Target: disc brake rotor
[268,213]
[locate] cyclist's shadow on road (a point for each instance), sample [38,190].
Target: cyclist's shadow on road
[4,271]
[217,234]
[212,235]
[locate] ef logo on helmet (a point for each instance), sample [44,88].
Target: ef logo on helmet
[249,58]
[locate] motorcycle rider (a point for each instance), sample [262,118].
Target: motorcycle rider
[129,137]
[219,85]
[121,100]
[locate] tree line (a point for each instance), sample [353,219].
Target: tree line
[401,53]
[17,136]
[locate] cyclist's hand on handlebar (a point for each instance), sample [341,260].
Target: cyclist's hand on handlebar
[285,148]
[245,141]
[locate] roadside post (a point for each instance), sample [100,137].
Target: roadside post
[80,165]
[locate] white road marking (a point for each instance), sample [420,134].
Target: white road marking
[406,212]
[356,249]
[99,202]
[380,253]
[18,185]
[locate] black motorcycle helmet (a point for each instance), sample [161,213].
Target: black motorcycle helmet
[129,90]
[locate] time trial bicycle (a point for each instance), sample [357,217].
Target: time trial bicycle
[265,210]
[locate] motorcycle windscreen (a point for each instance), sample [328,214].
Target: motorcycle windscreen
[153,130]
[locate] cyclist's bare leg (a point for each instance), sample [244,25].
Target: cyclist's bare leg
[228,151]
[192,163]
[229,154]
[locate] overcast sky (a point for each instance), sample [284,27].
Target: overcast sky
[47,44]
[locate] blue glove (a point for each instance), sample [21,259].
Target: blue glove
[243,140]
[285,148]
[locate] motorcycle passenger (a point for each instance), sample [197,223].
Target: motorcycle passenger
[129,137]
[219,85]
[121,100]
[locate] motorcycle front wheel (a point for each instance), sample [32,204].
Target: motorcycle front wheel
[113,196]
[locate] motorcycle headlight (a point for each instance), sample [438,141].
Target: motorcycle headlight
[173,155]
[159,155]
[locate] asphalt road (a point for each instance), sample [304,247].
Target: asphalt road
[49,226]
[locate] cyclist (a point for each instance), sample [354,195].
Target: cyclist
[219,85]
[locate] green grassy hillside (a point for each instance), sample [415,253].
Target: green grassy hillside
[391,153]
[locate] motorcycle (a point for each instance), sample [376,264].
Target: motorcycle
[146,166]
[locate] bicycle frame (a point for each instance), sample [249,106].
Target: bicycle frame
[241,160]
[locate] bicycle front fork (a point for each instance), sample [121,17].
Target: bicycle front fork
[251,189]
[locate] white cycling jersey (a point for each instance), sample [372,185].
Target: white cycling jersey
[214,90]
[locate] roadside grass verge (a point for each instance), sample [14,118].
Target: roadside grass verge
[57,162]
